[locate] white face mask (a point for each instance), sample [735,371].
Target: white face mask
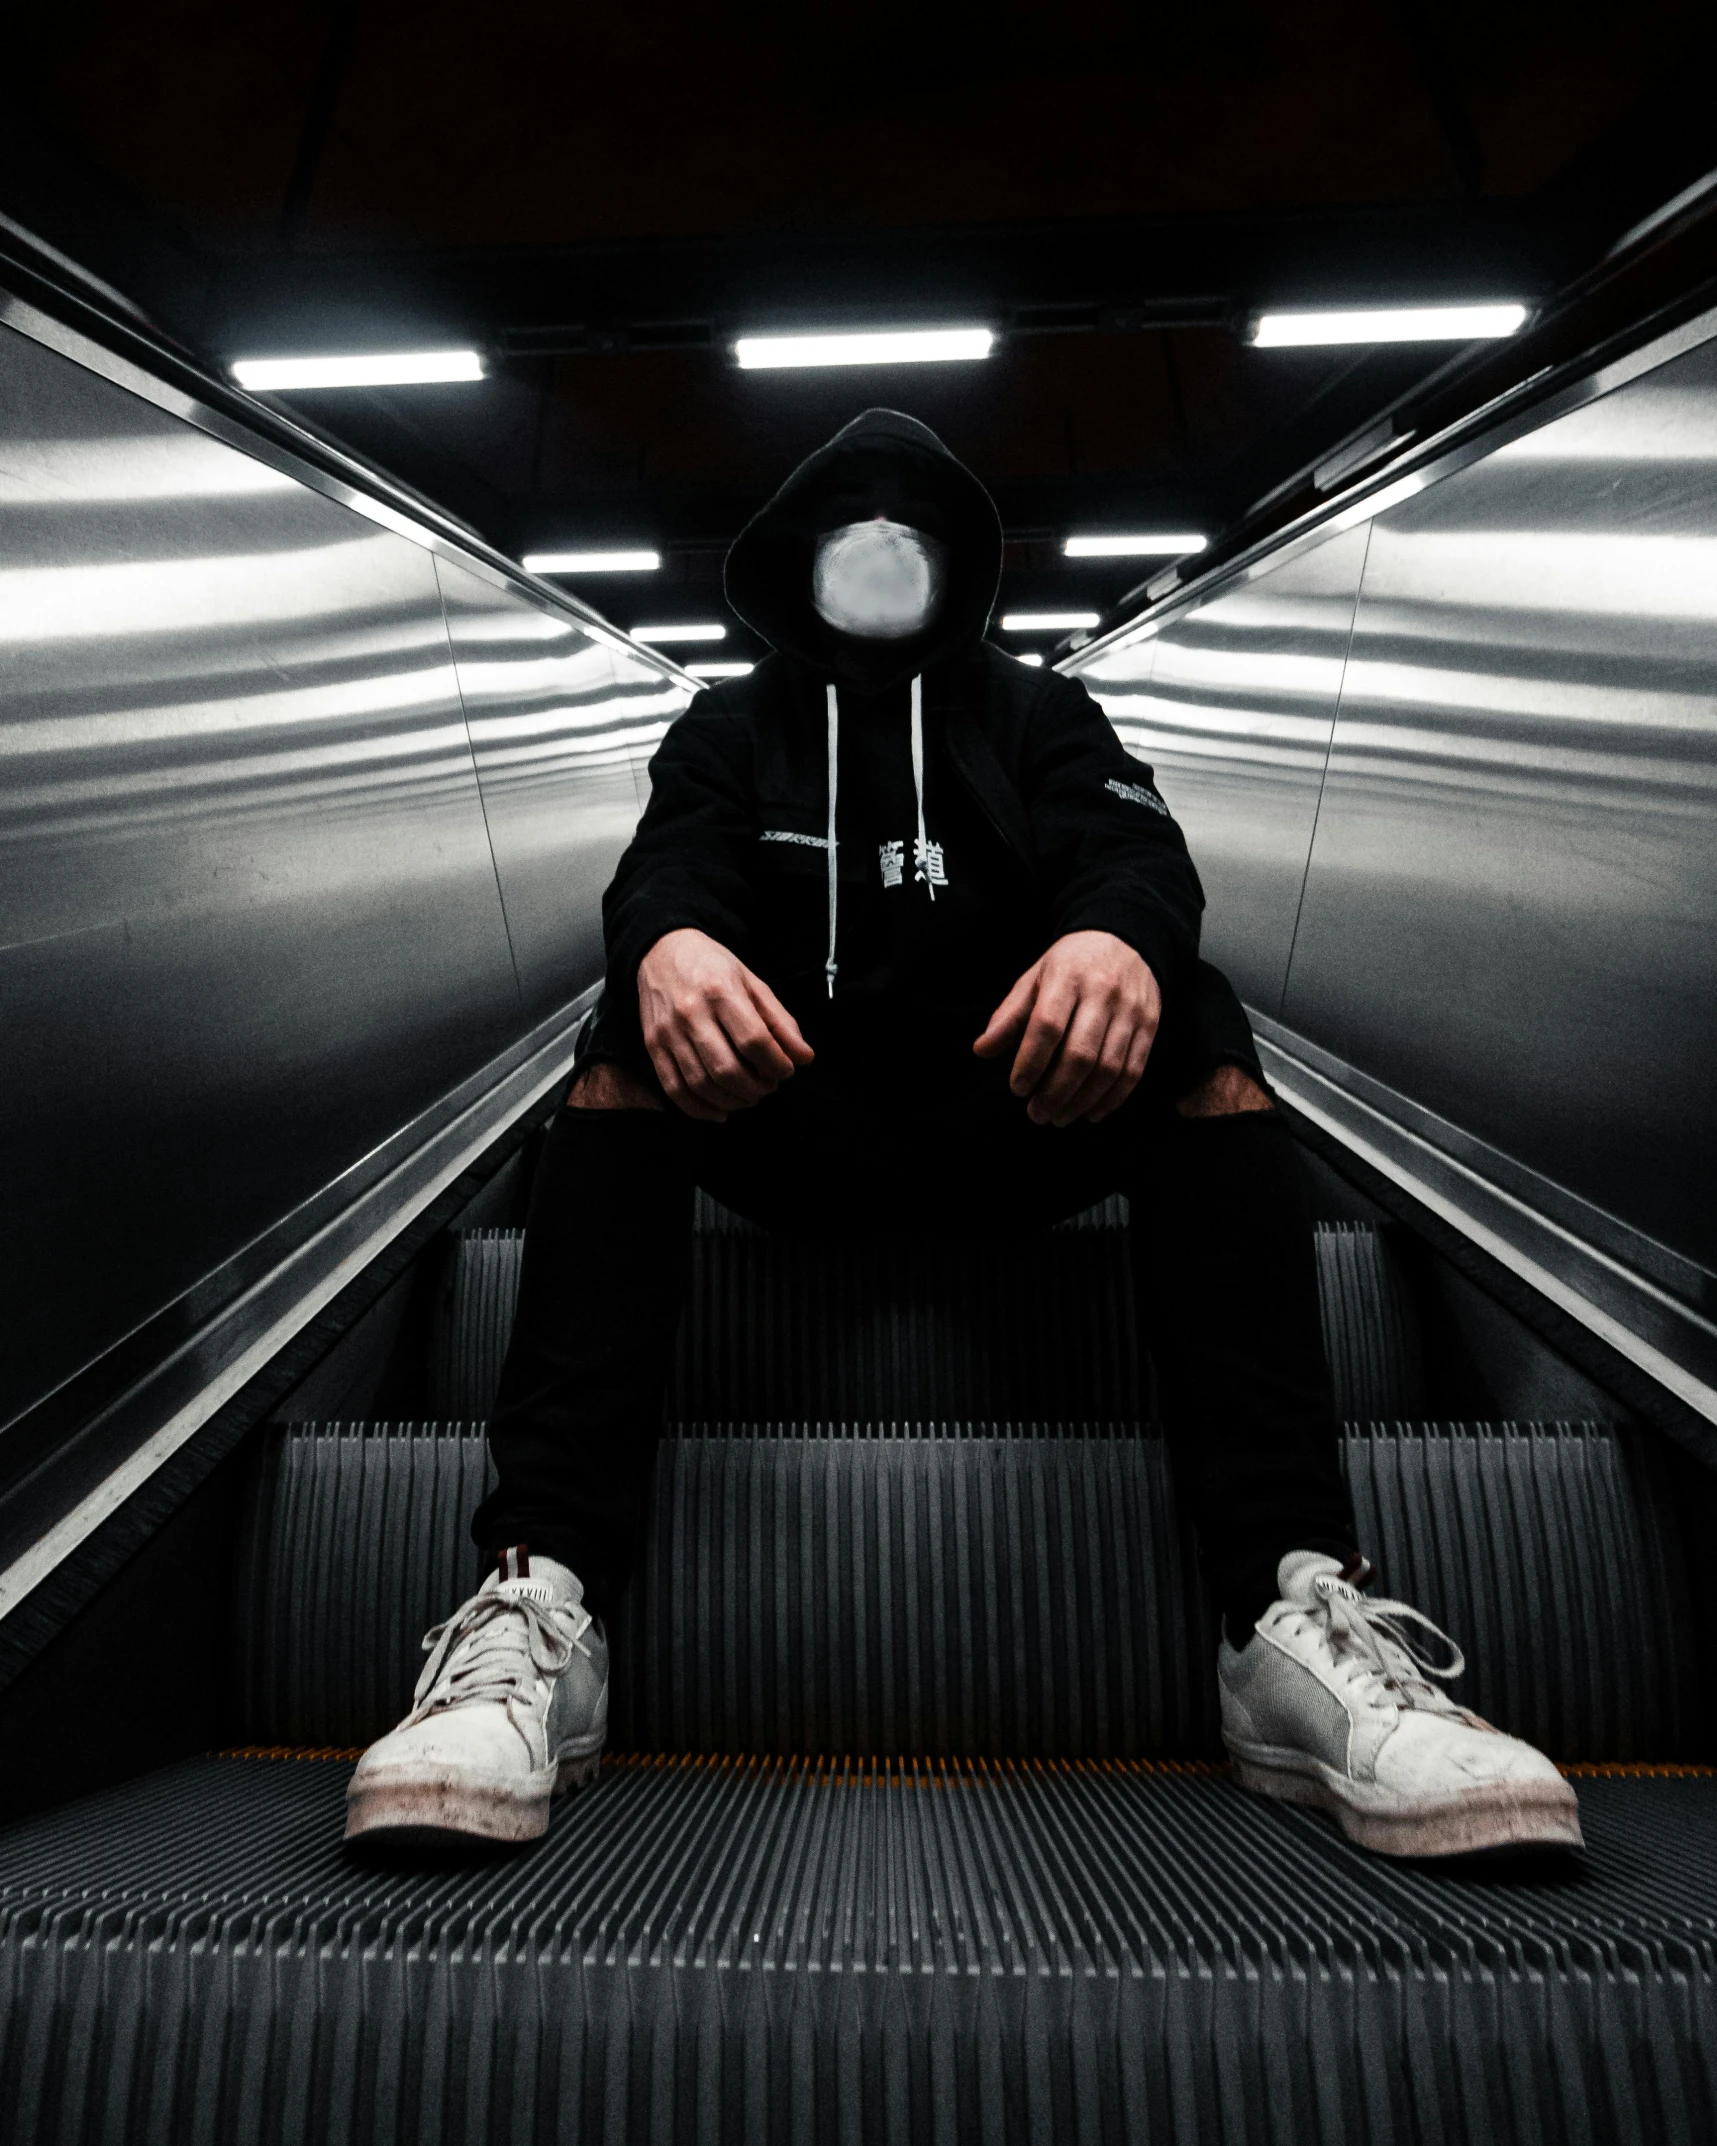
[877,580]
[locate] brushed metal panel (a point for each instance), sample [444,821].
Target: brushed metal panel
[648,712]
[1511,911]
[1234,713]
[248,915]
[557,718]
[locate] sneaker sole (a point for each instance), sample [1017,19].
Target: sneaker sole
[1518,1816]
[443,1806]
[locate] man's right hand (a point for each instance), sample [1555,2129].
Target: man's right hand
[718,1037]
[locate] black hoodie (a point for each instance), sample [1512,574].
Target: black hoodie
[1035,821]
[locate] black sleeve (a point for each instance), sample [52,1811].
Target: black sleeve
[683,867]
[1112,857]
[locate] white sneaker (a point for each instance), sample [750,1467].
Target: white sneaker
[1330,1703]
[511,1707]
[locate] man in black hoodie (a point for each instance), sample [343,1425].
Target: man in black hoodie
[906,941]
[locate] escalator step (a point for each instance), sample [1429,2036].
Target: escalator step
[1021,1328]
[978,1593]
[709,1214]
[968,1594]
[1552,1552]
[474,1323]
[352,1543]
[1370,1335]
[755,1952]
[779,1329]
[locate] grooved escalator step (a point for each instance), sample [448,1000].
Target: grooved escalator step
[753,1952]
[1371,1335]
[990,1592]
[353,1540]
[473,1324]
[871,1328]
[1551,1551]
[1029,1592]
[1037,1326]
[981,1592]
[710,1215]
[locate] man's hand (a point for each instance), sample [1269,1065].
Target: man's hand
[718,1037]
[1088,1014]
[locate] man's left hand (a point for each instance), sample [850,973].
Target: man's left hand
[1085,1016]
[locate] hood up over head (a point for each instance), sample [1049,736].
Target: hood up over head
[882,463]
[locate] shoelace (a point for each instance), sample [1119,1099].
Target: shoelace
[516,1639]
[1370,1639]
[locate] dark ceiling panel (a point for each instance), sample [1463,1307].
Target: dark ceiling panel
[547,124]
[603,199]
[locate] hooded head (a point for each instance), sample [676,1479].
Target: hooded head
[879,555]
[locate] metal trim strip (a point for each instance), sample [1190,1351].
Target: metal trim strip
[278,1304]
[1461,1181]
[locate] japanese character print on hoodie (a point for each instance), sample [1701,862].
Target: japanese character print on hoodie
[889,832]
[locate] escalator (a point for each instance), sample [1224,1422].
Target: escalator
[914,1823]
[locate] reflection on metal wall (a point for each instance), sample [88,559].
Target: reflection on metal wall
[1512,908]
[557,718]
[250,925]
[1234,713]
[1503,978]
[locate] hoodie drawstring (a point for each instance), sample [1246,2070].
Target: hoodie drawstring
[834,779]
[921,848]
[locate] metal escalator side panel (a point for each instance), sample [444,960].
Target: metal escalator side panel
[1232,703]
[1511,911]
[557,714]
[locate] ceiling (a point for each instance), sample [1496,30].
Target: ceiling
[604,198]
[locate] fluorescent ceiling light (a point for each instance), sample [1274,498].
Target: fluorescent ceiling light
[708,632]
[896,346]
[1133,547]
[1046,621]
[591,562]
[718,670]
[395,368]
[1034,659]
[1390,324]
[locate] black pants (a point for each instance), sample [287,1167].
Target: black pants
[1222,1251]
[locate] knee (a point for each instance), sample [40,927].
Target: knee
[1226,1093]
[605,1086]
